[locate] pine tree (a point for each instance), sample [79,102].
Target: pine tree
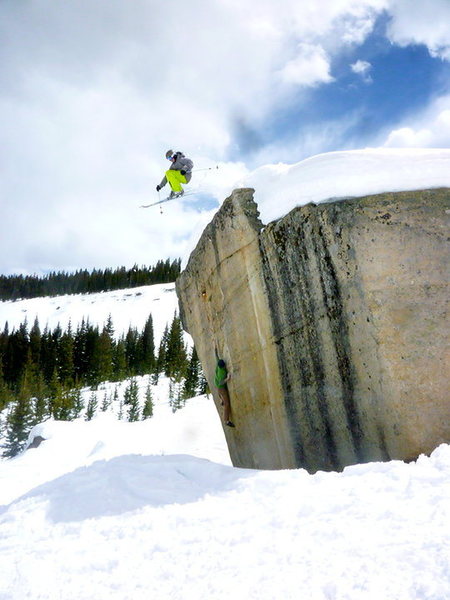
[162,351]
[48,355]
[115,397]
[119,360]
[65,358]
[203,387]
[132,351]
[66,407]
[4,339]
[35,343]
[131,398]
[191,383]
[147,348]
[92,375]
[147,411]
[78,404]
[40,409]
[5,393]
[18,424]
[103,353]
[17,354]
[109,327]
[56,337]
[33,380]
[91,407]
[106,403]
[176,358]
[171,393]
[56,396]
[2,429]
[176,400]
[81,361]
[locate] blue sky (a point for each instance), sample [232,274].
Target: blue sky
[400,81]
[92,94]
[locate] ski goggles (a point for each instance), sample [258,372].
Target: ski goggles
[170,158]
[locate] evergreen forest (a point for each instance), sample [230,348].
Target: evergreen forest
[15,287]
[42,373]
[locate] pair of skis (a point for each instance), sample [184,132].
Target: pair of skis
[176,197]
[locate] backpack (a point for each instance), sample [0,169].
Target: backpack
[188,164]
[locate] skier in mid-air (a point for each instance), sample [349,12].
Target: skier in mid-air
[180,171]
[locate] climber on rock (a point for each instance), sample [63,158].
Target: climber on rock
[180,171]
[220,380]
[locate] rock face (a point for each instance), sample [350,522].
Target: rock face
[333,321]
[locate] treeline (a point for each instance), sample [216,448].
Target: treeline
[42,372]
[14,287]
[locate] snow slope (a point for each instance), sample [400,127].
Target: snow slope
[126,307]
[95,512]
[194,429]
[279,188]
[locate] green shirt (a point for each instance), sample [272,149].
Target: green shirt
[221,374]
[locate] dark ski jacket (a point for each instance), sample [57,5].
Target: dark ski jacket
[181,163]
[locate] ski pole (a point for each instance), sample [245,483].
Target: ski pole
[206,169]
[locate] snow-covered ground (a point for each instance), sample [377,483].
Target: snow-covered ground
[194,429]
[126,307]
[137,510]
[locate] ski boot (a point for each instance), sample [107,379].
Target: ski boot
[175,194]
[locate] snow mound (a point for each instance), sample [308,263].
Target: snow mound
[195,430]
[128,483]
[354,173]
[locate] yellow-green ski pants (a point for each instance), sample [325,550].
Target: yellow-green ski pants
[175,179]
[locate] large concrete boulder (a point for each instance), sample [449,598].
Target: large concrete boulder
[334,322]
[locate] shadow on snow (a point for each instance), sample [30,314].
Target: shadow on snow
[128,483]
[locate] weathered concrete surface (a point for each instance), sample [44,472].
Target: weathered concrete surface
[334,322]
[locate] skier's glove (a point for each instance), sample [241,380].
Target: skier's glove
[158,188]
[183,172]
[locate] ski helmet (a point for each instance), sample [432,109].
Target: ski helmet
[169,154]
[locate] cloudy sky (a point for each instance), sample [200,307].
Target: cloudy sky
[93,93]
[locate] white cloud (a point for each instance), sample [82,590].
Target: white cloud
[406,137]
[309,68]
[430,129]
[421,22]
[362,67]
